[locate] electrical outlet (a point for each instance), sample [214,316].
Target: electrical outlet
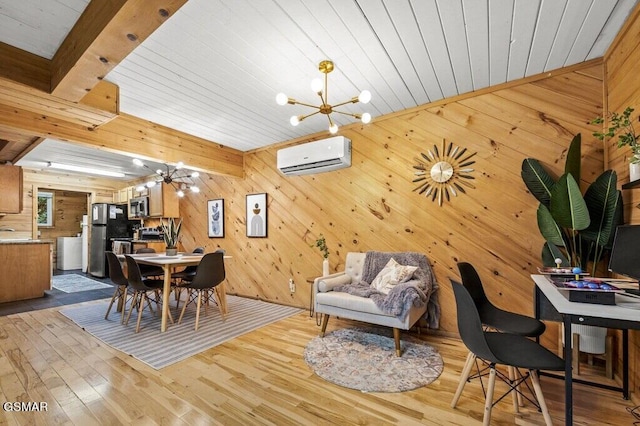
[292,286]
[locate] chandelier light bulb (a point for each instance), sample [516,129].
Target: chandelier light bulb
[366,118]
[179,165]
[316,85]
[151,183]
[159,172]
[138,162]
[140,188]
[333,129]
[294,120]
[281,99]
[195,189]
[364,96]
[195,174]
[180,193]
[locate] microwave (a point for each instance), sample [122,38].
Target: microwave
[139,207]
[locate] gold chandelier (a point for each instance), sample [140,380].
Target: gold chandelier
[177,177]
[317,86]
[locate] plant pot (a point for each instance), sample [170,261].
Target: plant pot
[171,251]
[634,171]
[325,267]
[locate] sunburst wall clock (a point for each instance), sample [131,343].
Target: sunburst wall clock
[443,173]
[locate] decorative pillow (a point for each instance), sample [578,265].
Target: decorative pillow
[391,275]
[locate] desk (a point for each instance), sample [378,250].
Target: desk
[551,304]
[168,263]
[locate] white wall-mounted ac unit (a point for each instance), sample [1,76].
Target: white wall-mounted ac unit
[315,157]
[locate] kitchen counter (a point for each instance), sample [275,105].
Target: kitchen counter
[26,269]
[23,241]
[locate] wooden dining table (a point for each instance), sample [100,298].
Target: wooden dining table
[168,264]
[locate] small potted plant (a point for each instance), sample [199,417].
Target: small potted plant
[322,245]
[171,235]
[622,126]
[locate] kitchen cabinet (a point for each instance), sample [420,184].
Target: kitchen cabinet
[26,269]
[10,189]
[163,201]
[123,195]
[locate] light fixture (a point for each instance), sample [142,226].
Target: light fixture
[317,86]
[88,170]
[177,177]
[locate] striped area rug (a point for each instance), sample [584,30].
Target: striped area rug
[180,341]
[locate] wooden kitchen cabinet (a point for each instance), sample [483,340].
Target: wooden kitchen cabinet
[123,195]
[10,189]
[163,201]
[26,270]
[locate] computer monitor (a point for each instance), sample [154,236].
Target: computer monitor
[625,253]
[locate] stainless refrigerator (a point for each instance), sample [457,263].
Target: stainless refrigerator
[109,222]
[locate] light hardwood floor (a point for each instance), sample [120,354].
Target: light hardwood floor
[259,378]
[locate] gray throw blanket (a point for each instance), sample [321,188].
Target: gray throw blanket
[416,292]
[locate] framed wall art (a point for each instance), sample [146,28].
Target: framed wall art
[256,215]
[215,218]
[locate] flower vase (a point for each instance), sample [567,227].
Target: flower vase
[325,267]
[634,171]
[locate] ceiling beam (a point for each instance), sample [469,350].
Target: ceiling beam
[105,34]
[128,135]
[23,67]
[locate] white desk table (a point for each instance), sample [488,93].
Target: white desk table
[553,304]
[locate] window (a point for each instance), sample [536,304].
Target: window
[45,209]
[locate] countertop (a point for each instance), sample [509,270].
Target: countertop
[23,241]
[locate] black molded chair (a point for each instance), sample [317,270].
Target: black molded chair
[148,271]
[506,349]
[189,272]
[210,274]
[117,277]
[141,289]
[494,318]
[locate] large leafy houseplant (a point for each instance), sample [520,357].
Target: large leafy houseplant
[577,228]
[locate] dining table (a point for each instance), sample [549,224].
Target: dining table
[168,264]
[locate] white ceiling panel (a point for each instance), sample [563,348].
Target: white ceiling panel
[214,68]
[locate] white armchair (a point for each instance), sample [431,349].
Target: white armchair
[345,305]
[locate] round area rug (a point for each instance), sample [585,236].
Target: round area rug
[365,359]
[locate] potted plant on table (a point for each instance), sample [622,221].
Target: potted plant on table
[171,235]
[622,125]
[322,245]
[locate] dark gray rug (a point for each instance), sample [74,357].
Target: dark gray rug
[180,341]
[72,283]
[365,359]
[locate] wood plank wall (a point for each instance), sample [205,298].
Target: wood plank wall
[623,90]
[372,205]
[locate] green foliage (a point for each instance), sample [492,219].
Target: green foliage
[577,229]
[621,125]
[171,232]
[322,245]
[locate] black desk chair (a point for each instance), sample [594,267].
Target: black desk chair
[209,274]
[506,349]
[141,289]
[117,277]
[493,318]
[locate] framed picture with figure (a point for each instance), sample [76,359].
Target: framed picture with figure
[256,215]
[215,218]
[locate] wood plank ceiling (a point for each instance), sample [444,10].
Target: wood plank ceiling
[213,69]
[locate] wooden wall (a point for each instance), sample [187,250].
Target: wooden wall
[372,205]
[623,90]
